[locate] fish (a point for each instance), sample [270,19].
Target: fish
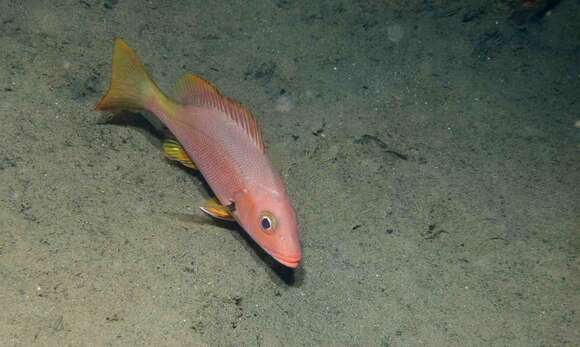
[219,137]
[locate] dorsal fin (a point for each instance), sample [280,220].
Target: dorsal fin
[194,90]
[191,90]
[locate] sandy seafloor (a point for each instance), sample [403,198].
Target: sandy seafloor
[429,148]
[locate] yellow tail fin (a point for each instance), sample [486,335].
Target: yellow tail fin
[131,87]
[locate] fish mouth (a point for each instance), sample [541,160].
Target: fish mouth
[288,261]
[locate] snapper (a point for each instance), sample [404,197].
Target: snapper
[220,138]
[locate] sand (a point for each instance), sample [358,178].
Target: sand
[429,148]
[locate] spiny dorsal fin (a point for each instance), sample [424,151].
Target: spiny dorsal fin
[194,90]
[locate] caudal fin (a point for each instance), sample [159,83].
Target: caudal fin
[131,87]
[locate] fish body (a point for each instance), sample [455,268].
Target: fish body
[222,139]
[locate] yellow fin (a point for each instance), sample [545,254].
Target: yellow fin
[194,90]
[174,151]
[130,86]
[216,210]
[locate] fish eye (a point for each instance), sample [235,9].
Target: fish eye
[267,222]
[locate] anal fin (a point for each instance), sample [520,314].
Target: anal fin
[174,151]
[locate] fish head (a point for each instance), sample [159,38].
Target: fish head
[269,218]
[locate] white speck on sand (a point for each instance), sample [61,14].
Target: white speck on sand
[395,33]
[284,104]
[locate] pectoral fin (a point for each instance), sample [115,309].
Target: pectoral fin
[216,210]
[173,151]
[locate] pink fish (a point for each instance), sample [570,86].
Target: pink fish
[221,138]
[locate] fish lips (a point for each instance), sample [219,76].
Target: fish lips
[288,261]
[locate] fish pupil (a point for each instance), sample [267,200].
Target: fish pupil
[266,224]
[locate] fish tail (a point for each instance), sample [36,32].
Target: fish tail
[131,87]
